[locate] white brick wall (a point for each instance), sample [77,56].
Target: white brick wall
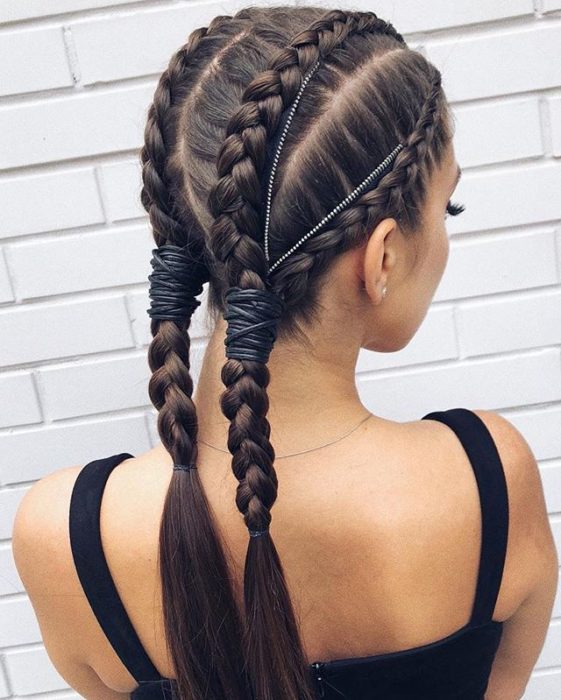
[72,111]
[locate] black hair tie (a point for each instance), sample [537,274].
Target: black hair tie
[184,467]
[177,279]
[253,316]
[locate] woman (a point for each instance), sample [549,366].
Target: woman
[302,163]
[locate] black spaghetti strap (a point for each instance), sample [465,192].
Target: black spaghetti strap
[491,483]
[93,571]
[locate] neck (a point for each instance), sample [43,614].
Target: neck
[312,392]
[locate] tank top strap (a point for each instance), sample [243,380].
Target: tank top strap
[93,571]
[491,483]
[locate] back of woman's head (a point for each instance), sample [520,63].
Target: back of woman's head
[210,143]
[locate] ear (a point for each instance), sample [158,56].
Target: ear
[379,258]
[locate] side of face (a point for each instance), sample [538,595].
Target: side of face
[410,266]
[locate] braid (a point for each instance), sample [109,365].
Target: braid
[413,162]
[171,388]
[235,203]
[407,177]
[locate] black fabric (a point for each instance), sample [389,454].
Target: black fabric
[456,667]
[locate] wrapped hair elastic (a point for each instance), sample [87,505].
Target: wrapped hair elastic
[184,467]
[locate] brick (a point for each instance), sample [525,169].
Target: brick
[85,261]
[27,9]
[37,203]
[541,430]
[115,384]
[413,16]
[37,61]
[6,293]
[32,454]
[551,479]
[10,581]
[511,196]
[131,47]
[497,383]
[122,184]
[502,325]
[501,63]
[81,327]
[4,690]
[9,502]
[44,678]
[26,409]
[550,655]
[555,112]
[544,686]
[19,624]
[490,133]
[498,263]
[435,340]
[85,124]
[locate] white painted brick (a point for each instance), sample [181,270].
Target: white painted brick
[44,678]
[10,581]
[32,454]
[130,45]
[498,263]
[84,124]
[26,409]
[19,623]
[36,203]
[491,133]
[511,196]
[6,293]
[551,5]
[493,326]
[492,384]
[9,502]
[36,60]
[4,690]
[95,387]
[551,479]
[52,330]
[122,183]
[541,430]
[555,115]
[551,653]
[26,9]
[498,63]
[556,530]
[425,15]
[544,686]
[85,261]
[435,340]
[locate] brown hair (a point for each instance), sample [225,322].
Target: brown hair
[208,139]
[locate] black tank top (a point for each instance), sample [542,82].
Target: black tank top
[456,667]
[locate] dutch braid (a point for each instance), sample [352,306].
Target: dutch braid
[235,202]
[170,388]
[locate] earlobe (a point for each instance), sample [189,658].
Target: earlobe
[378,259]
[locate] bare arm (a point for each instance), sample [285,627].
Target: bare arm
[525,631]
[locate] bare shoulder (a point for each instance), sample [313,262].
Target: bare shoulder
[529,527]
[41,549]
[40,529]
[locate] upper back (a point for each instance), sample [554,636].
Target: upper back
[380,541]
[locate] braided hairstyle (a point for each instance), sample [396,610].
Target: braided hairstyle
[208,144]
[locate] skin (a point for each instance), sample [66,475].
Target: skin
[359,579]
[316,385]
